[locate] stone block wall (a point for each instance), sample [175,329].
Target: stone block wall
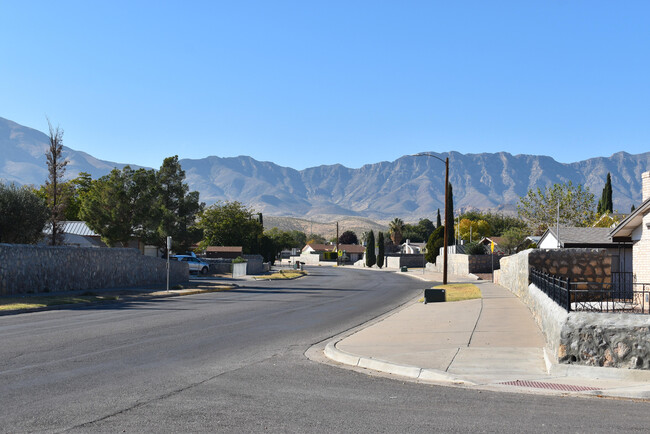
[36,269]
[586,338]
[397,261]
[579,265]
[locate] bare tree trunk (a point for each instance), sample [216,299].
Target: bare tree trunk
[56,169]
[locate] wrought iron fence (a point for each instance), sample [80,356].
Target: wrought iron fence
[619,295]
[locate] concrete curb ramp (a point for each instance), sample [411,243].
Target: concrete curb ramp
[343,357]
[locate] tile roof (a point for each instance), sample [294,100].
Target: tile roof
[224,249]
[583,235]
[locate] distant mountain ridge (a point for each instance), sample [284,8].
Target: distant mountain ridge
[409,187]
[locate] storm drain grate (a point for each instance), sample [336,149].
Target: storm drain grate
[552,386]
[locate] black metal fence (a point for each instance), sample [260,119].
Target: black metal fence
[620,295]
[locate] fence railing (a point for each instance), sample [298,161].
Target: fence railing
[620,295]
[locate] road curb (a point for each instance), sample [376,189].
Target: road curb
[125,299]
[414,372]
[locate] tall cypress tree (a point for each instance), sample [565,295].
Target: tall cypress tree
[450,216]
[380,249]
[605,203]
[438,220]
[371,258]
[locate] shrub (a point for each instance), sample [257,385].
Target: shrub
[475,249]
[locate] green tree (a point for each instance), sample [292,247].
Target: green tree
[512,238]
[605,203]
[474,229]
[280,240]
[396,229]
[348,237]
[121,205]
[23,215]
[371,258]
[77,187]
[425,228]
[381,248]
[316,239]
[539,208]
[435,242]
[438,220]
[497,222]
[230,224]
[177,208]
[55,194]
[71,192]
[412,233]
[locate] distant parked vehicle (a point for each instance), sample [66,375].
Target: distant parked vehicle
[195,264]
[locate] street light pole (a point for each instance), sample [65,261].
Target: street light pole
[446,161]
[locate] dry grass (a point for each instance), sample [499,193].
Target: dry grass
[283,275]
[35,302]
[460,291]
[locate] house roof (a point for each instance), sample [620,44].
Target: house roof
[496,240]
[570,237]
[73,228]
[633,221]
[320,247]
[349,248]
[224,249]
[352,248]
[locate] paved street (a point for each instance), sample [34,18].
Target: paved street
[234,362]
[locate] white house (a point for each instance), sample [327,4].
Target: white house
[635,229]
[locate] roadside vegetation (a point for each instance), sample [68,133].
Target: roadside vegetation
[283,275]
[460,291]
[40,301]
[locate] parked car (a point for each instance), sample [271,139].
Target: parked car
[196,265]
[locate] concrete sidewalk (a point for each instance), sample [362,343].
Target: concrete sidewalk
[490,343]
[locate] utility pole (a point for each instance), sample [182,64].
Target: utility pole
[337,244]
[446,161]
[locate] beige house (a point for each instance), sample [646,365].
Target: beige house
[636,229]
[314,253]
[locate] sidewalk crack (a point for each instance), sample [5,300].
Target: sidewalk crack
[476,324]
[452,360]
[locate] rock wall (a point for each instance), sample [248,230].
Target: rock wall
[596,339]
[397,261]
[586,265]
[461,264]
[26,269]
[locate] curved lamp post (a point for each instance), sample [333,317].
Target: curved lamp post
[446,161]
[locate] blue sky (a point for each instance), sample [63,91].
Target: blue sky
[307,83]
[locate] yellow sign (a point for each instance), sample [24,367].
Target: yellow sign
[340,252]
[492,246]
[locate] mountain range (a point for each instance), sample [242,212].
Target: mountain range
[409,187]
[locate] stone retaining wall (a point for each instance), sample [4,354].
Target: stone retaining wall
[579,265]
[397,261]
[596,339]
[461,264]
[34,269]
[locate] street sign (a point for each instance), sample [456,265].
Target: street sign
[492,246]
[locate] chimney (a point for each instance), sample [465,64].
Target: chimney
[645,181]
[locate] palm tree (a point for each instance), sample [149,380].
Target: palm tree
[396,228]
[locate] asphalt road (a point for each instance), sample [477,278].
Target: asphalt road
[234,362]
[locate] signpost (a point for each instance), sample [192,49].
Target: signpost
[492,249]
[169,249]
